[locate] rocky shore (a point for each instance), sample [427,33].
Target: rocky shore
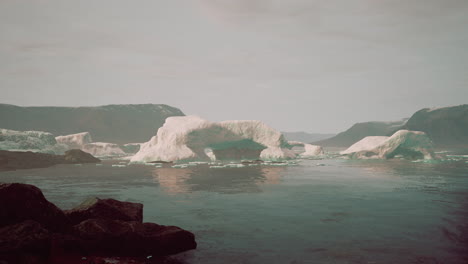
[34,230]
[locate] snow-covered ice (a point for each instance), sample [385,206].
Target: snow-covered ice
[75,141]
[312,151]
[403,143]
[193,138]
[366,143]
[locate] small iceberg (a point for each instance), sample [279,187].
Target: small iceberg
[180,166]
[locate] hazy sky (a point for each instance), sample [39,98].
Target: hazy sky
[299,65]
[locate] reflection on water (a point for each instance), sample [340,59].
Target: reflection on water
[347,211]
[225,180]
[172,180]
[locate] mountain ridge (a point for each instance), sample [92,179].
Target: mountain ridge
[115,123]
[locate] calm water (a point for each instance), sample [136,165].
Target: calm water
[342,212]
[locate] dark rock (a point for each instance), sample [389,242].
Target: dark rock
[161,162]
[119,238]
[78,156]
[20,202]
[26,242]
[106,209]
[12,160]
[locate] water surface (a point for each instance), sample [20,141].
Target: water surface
[327,211]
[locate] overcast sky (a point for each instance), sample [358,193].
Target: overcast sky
[299,65]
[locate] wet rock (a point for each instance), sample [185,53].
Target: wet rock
[106,209]
[20,202]
[26,242]
[119,238]
[78,156]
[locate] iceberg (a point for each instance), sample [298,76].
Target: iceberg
[192,138]
[75,141]
[366,143]
[102,149]
[131,148]
[312,151]
[309,150]
[35,141]
[84,142]
[403,143]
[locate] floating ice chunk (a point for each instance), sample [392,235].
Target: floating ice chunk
[103,149]
[235,165]
[312,151]
[366,143]
[198,163]
[217,167]
[180,166]
[404,143]
[75,141]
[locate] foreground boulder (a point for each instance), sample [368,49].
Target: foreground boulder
[26,237]
[33,230]
[114,237]
[106,209]
[21,202]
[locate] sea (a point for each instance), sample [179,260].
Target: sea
[328,210]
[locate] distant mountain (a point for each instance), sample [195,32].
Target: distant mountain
[306,137]
[110,123]
[447,126]
[359,131]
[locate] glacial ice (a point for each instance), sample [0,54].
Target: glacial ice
[84,142]
[102,149]
[312,151]
[309,150]
[366,143]
[404,143]
[188,138]
[75,141]
[35,141]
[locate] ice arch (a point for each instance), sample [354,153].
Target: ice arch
[188,138]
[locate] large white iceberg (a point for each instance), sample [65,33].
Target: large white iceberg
[366,143]
[191,138]
[35,141]
[403,143]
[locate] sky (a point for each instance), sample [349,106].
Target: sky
[298,65]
